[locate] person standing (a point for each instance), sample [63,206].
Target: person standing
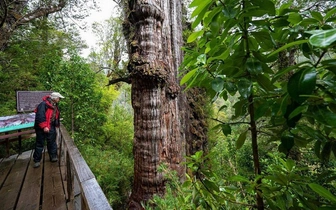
[47,118]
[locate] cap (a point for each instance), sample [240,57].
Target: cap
[56,95]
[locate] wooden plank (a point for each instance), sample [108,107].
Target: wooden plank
[53,192]
[31,189]
[78,196]
[11,188]
[82,170]
[63,168]
[94,196]
[5,167]
[16,134]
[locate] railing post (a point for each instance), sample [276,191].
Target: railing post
[7,145]
[20,142]
[84,192]
[78,198]
[70,180]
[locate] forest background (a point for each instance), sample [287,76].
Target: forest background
[287,48]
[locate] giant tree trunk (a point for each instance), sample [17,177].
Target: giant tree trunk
[155,55]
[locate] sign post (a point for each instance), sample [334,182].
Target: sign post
[27,101]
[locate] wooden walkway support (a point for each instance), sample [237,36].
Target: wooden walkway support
[68,184]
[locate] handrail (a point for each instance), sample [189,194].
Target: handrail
[82,188]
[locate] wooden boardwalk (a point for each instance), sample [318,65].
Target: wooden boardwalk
[27,188]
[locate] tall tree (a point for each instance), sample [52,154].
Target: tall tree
[112,50]
[155,39]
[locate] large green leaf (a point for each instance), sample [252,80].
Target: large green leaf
[330,65]
[284,8]
[301,142]
[238,178]
[291,44]
[297,111]
[322,192]
[241,140]
[226,128]
[209,17]
[254,66]
[229,11]
[333,148]
[287,140]
[222,56]
[264,82]
[326,151]
[261,110]
[317,149]
[200,11]
[245,87]
[308,22]
[301,84]
[323,115]
[201,59]
[318,16]
[294,18]
[230,87]
[200,5]
[329,14]
[291,122]
[239,107]
[195,35]
[264,39]
[217,84]
[187,77]
[323,39]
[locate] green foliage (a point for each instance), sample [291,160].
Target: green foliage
[113,170]
[111,157]
[176,196]
[286,185]
[245,48]
[43,58]
[86,102]
[20,65]
[111,49]
[118,131]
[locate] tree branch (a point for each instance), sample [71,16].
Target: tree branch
[41,12]
[124,79]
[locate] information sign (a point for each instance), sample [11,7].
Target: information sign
[27,101]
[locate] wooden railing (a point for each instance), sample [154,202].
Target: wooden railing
[82,188]
[18,135]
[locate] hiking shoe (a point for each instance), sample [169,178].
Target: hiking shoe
[54,159]
[37,164]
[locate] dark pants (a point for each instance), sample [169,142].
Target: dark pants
[51,143]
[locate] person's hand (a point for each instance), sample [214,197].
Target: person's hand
[46,130]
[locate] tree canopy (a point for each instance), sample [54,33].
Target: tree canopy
[265,67]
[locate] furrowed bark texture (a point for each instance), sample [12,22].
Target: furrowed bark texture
[154,59]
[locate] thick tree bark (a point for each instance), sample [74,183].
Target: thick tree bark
[155,56]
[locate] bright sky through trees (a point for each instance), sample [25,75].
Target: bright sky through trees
[104,13]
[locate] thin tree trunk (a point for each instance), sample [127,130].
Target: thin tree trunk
[257,170]
[155,55]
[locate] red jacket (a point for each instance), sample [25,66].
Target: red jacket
[44,112]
